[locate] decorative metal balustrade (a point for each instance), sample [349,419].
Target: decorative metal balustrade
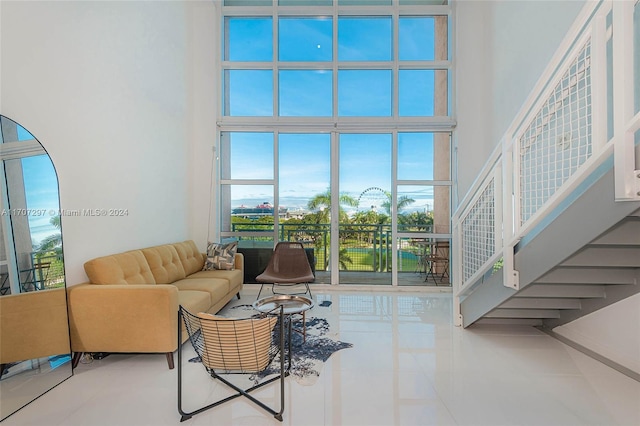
[564,133]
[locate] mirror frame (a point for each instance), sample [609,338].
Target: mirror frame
[29,367]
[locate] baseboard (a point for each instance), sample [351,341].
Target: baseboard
[598,357]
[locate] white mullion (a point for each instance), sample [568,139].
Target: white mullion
[370,124]
[246,65]
[418,182]
[334,227]
[427,65]
[334,61]
[451,43]
[290,65]
[395,69]
[7,228]
[274,63]
[368,65]
[20,149]
[276,186]
[246,181]
[394,210]
[219,76]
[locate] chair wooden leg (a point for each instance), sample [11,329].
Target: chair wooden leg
[170,360]
[76,359]
[238,295]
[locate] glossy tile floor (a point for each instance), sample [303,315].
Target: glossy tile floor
[409,366]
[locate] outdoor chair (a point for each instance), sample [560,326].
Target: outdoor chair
[438,261]
[288,266]
[35,278]
[4,284]
[234,346]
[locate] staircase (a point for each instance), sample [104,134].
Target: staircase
[588,257]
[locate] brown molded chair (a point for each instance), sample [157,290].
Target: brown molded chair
[288,266]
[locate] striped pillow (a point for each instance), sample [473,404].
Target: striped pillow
[236,344]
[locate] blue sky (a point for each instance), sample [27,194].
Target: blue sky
[41,190]
[304,160]
[41,187]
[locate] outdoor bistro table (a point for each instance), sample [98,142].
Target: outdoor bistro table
[292,304]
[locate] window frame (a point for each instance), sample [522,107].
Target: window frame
[335,124]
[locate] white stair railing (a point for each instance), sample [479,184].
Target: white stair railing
[565,132]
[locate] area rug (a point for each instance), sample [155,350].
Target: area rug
[308,355]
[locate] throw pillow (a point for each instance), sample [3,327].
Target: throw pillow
[221,256]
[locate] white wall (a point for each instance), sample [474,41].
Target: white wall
[203,49]
[474,63]
[613,332]
[502,48]
[102,85]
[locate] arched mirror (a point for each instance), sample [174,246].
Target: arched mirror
[34,327]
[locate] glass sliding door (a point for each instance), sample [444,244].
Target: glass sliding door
[364,192]
[304,176]
[423,188]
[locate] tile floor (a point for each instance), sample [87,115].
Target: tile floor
[409,366]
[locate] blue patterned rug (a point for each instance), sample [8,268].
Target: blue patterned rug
[308,355]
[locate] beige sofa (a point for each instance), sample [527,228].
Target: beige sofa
[131,302]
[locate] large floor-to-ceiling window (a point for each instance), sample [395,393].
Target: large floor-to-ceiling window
[335,131]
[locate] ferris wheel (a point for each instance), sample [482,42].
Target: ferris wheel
[373,198]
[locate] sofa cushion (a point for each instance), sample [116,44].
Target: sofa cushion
[130,267]
[235,277]
[191,258]
[165,263]
[194,301]
[217,288]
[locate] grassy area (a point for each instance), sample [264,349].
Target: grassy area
[362,259]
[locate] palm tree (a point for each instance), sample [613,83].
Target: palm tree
[417,221]
[322,203]
[403,202]
[52,242]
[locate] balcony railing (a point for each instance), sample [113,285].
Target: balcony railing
[46,272]
[363,247]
